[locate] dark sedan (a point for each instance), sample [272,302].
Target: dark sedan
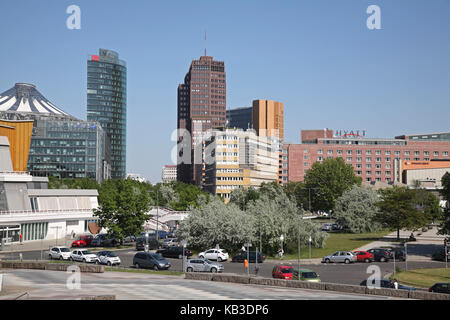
[174,252]
[251,257]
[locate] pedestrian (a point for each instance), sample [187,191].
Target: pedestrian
[280,253]
[21,239]
[395,284]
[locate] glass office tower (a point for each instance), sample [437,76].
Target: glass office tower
[107,103]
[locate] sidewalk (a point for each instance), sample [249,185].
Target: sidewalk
[36,245]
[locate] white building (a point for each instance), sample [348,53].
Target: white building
[30,209]
[169,173]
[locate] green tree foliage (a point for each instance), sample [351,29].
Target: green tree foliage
[243,196]
[123,205]
[444,227]
[326,181]
[356,210]
[215,222]
[429,204]
[68,183]
[399,210]
[176,195]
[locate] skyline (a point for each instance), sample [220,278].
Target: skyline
[337,75]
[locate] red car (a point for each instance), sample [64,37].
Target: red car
[364,256]
[282,271]
[82,241]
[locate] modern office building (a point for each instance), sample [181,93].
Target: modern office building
[59,144]
[201,107]
[268,118]
[107,103]
[240,118]
[374,160]
[169,173]
[30,209]
[235,158]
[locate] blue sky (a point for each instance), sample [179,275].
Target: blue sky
[316,56]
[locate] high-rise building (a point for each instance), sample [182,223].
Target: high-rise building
[241,118]
[201,107]
[61,145]
[268,118]
[107,103]
[235,158]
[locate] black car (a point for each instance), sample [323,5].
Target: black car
[399,254]
[153,244]
[174,252]
[150,260]
[385,283]
[105,240]
[251,257]
[440,255]
[440,288]
[382,255]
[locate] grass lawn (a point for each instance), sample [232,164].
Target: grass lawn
[335,242]
[423,278]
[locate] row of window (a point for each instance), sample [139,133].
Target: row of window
[379,152]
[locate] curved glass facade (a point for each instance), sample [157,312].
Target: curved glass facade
[106,103]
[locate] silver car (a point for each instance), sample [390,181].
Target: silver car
[341,256]
[203,265]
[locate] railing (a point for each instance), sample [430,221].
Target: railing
[24,173]
[31,212]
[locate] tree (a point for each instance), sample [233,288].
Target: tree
[123,204]
[444,227]
[399,210]
[356,210]
[242,196]
[326,181]
[429,204]
[275,215]
[215,222]
[70,183]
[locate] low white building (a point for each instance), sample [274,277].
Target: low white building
[30,209]
[169,173]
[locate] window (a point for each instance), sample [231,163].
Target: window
[378,152]
[368,159]
[349,152]
[368,152]
[358,159]
[388,153]
[436,153]
[407,153]
[445,153]
[349,159]
[368,166]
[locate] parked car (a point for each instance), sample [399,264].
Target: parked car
[153,244]
[305,275]
[386,283]
[399,254]
[130,238]
[203,265]
[364,256]
[60,253]
[83,256]
[440,288]
[283,271]
[336,226]
[174,252]
[382,255]
[169,242]
[251,257]
[214,254]
[340,256]
[106,240]
[150,260]
[108,257]
[326,227]
[440,255]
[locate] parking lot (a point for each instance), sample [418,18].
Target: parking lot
[342,273]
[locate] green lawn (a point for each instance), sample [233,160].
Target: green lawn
[423,278]
[335,242]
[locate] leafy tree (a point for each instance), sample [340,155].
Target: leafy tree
[298,192]
[215,222]
[242,196]
[69,183]
[398,210]
[326,181]
[356,209]
[429,204]
[444,227]
[275,215]
[123,204]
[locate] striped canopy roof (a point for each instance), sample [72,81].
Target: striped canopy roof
[25,98]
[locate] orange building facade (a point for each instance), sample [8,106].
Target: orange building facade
[19,134]
[268,118]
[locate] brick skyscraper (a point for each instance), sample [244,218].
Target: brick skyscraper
[201,106]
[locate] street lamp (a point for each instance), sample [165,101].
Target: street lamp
[310,240]
[281,253]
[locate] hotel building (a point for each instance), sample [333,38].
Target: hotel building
[374,160]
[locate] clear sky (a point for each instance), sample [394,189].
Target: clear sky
[316,56]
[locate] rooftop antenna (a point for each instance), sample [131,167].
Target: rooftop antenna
[205,43]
